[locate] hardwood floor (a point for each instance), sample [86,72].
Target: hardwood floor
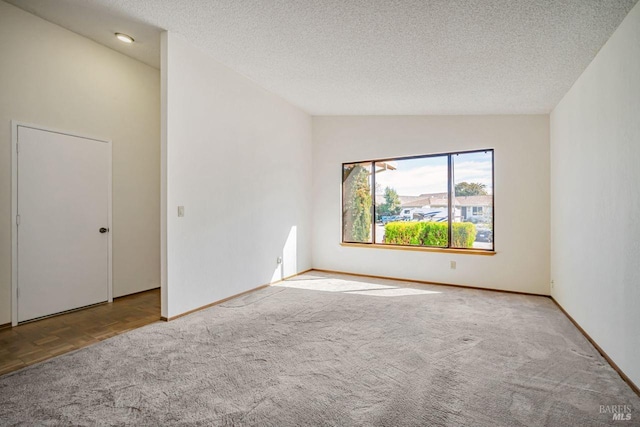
[33,342]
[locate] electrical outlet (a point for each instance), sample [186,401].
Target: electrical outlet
[279,260]
[553,284]
[453,265]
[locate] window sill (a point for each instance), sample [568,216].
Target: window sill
[420,248]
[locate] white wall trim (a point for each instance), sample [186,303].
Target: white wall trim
[14,209]
[14,225]
[164,302]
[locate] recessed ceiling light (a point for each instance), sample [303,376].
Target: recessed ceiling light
[124,38]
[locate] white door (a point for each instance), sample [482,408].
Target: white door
[63,196]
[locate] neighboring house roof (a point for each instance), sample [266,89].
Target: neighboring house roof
[403,199]
[435,201]
[438,200]
[474,201]
[437,195]
[417,203]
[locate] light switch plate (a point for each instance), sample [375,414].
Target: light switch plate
[180,211]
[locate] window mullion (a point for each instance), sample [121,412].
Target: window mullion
[373,202]
[450,198]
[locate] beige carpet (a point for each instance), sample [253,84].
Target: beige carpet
[337,351]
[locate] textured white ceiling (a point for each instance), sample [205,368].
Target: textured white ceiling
[372,56]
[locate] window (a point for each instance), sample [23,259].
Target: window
[438,201]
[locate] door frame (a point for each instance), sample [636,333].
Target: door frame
[15,124]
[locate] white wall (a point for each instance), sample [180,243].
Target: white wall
[595,201]
[521,166]
[55,78]
[238,158]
